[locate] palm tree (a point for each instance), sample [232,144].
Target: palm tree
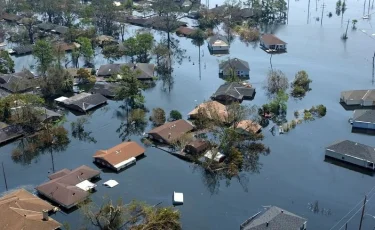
[198,38]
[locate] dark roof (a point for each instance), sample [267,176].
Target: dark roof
[85,101]
[216,37]
[63,46]
[17,82]
[274,218]
[10,17]
[235,90]
[160,23]
[271,39]
[46,26]
[146,70]
[353,94]
[10,132]
[364,116]
[108,70]
[218,9]
[61,29]
[105,89]
[234,63]
[198,144]
[186,31]
[63,189]
[21,50]
[137,21]
[58,174]
[354,149]
[172,130]
[46,114]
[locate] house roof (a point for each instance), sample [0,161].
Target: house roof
[185,30]
[235,90]
[58,174]
[274,218]
[10,132]
[63,46]
[105,89]
[20,50]
[10,17]
[17,82]
[198,144]
[364,116]
[354,149]
[63,188]
[172,130]
[353,94]
[160,23]
[109,69]
[86,101]
[61,29]
[120,153]
[234,63]
[146,70]
[271,39]
[46,26]
[370,95]
[22,210]
[211,109]
[218,37]
[249,126]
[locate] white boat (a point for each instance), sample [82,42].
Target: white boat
[366,17]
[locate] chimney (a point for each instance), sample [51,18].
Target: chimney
[45,215]
[267,224]
[282,211]
[216,5]
[169,135]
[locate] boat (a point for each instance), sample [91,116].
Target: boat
[366,17]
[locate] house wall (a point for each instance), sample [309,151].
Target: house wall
[239,72]
[351,102]
[349,159]
[104,163]
[363,125]
[368,103]
[218,48]
[156,137]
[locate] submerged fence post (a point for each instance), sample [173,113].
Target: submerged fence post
[5,178]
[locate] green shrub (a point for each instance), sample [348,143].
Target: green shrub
[175,115]
[298,91]
[293,124]
[322,110]
[296,114]
[308,116]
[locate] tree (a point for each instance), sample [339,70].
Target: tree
[301,84]
[181,142]
[6,63]
[86,49]
[56,82]
[278,105]
[43,52]
[104,16]
[175,115]
[113,52]
[79,132]
[30,25]
[135,124]
[75,56]
[354,22]
[130,88]
[198,37]
[139,46]
[158,116]
[84,76]
[135,216]
[276,81]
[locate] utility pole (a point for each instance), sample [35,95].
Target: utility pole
[373,66]
[368,10]
[287,19]
[5,178]
[316,5]
[364,7]
[346,32]
[321,20]
[346,226]
[308,12]
[363,212]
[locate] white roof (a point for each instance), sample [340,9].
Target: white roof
[86,185]
[61,99]
[111,183]
[217,158]
[130,160]
[178,197]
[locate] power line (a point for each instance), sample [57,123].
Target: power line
[351,210]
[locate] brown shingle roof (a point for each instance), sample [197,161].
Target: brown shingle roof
[249,126]
[271,39]
[22,210]
[172,130]
[63,189]
[211,110]
[58,174]
[185,30]
[120,153]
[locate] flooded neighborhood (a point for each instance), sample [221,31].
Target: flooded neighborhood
[187,115]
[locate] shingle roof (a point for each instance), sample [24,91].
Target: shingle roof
[271,39]
[46,26]
[352,148]
[63,189]
[146,70]
[58,174]
[109,69]
[105,89]
[22,210]
[10,132]
[274,219]
[61,29]
[234,63]
[364,116]
[17,82]
[353,94]
[216,37]
[235,90]
[10,17]
[20,50]
[120,153]
[249,126]
[85,101]
[172,130]
[211,110]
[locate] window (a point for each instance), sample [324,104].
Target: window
[238,72]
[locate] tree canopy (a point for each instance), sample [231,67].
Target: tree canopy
[6,62]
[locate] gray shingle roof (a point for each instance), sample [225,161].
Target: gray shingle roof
[17,82]
[61,29]
[234,63]
[354,149]
[46,26]
[216,37]
[146,70]
[274,219]
[20,50]
[353,94]
[105,89]
[364,116]
[235,90]
[85,101]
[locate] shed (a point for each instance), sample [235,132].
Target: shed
[270,41]
[119,156]
[274,218]
[234,92]
[353,153]
[170,131]
[364,119]
[234,66]
[197,146]
[218,43]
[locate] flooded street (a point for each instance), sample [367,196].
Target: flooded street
[293,176]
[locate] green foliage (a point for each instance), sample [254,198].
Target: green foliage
[112,52]
[276,82]
[308,116]
[279,104]
[56,82]
[301,84]
[175,115]
[158,116]
[6,63]
[43,52]
[296,114]
[84,76]
[86,49]
[198,37]
[354,23]
[140,46]
[79,132]
[130,88]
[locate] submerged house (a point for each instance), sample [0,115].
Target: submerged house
[19,82]
[353,153]
[218,43]
[248,126]
[22,210]
[364,119]
[69,187]
[119,156]
[271,42]
[358,97]
[22,50]
[234,92]
[106,89]
[145,70]
[197,146]
[170,131]
[234,66]
[185,31]
[82,102]
[9,133]
[274,218]
[210,110]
